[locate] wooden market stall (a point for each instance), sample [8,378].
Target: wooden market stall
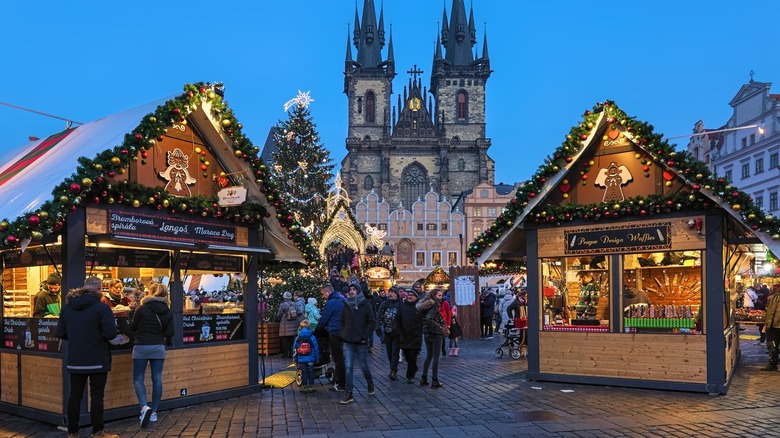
[636,247]
[170,191]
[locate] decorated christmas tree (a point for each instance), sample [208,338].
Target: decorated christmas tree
[302,166]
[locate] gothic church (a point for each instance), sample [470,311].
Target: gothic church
[425,142]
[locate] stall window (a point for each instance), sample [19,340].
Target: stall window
[575,293]
[662,292]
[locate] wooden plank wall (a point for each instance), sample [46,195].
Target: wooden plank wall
[268,338]
[732,352]
[198,370]
[42,383]
[468,316]
[9,382]
[667,358]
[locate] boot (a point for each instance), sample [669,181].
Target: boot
[347,398]
[452,351]
[424,381]
[436,384]
[456,351]
[370,385]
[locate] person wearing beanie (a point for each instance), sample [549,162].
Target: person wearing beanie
[387,319]
[289,321]
[410,328]
[357,325]
[312,313]
[47,301]
[87,325]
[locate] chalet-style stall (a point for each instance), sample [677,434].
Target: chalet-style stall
[170,191]
[632,251]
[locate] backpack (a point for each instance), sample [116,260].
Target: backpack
[304,348]
[292,312]
[388,319]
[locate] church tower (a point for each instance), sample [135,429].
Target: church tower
[427,141]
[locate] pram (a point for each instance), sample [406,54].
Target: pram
[514,339]
[322,366]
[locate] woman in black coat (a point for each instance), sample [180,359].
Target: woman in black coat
[433,329]
[410,327]
[152,323]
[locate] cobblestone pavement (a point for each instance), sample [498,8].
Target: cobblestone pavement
[483,396]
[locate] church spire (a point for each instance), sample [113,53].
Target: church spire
[459,47]
[472,29]
[485,56]
[390,55]
[370,39]
[381,26]
[348,58]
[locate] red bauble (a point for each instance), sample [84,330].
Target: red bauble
[124,152]
[202,89]
[138,137]
[111,174]
[569,159]
[532,195]
[670,203]
[176,111]
[34,220]
[643,212]
[735,195]
[75,188]
[11,239]
[584,177]
[99,180]
[290,236]
[96,200]
[190,94]
[584,136]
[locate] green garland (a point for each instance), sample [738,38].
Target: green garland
[694,172]
[92,182]
[507,267]
[343,205]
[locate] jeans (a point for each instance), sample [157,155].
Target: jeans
[351,353]
[307,373]
[432,351]
[772,340]
[411,362]
[97,387]
[139,369]
[393,350]
[337,351]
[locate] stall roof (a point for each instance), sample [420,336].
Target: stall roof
[503,235]
[31,171]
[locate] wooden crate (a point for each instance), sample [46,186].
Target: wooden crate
[268,338]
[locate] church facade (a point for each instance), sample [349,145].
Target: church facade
[426,137]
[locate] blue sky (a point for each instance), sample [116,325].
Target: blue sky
[669,63]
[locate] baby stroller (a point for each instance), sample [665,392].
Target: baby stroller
[514,339]
[322,366]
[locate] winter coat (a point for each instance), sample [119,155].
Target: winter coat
[410,324]
[313,315]
[773,311]
[46,303]
[487,305]
[446,312]
[112,301]
[750,298]
[357,320]
[503,306]
[431,315]
[152,322]
[287,326]
[330,320]
[314,355]
[87,325]
[388,304]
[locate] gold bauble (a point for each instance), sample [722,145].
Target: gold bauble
[110,200]
[736,207]
[751,216]
[98,167]
[64,199]
[121,171]
[4,225]
[238,153]
[775,236]
[668,184]
[36,235]
[699,176]
[166,203]
[616,207]
[136,203]
[116,161]
[153,119]
[226,122]
[43,214]
[637,156]
[183,207]
[691,197]
[565,196]
[151,200]
[86,182]
[197,150]
[211,94]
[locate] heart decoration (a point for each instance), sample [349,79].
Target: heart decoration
[222,181]
[613,134]
[564,188]
[668,176]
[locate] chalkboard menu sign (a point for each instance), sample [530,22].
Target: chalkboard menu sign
[210,262]
[106,256]
[623,238]
[168,228]
[31,334]
[198,329]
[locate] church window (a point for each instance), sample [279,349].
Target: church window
[382,227]
[462,82]
[360,105]
[414,183]
[469,82]
[462,105]
[370,107]
[461,164]
[444,226]
[368,183]
[476,211]
[431,227]
[419,227]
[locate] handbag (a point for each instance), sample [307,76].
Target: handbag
[445,331]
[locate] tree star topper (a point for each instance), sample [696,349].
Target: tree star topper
[302,99]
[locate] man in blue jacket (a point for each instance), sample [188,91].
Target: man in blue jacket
[330,321]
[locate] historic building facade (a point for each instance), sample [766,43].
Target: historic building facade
[482,205]
[433,139]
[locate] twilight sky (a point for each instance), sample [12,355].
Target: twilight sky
[670,63]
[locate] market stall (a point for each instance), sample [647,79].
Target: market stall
[168,192]
[637,248]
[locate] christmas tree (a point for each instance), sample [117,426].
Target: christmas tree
[302,166]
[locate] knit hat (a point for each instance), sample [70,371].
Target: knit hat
[412,292]
[312,301]
[54,279]
[287,295]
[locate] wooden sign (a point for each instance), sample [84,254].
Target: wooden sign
[623,238]
[166,228]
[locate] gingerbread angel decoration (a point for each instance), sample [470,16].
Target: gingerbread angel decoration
[177,175]
[612,179]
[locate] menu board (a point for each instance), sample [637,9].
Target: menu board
[40,334]
[198,329]
[169,228]
[32,334]
[122,257]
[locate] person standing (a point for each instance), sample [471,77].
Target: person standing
[446,314]
[330,322]
[47,301]
[115,294]
[357,325]
[87,325]
[388,320]
[312,313]
[152,323]
[455,332]
[772,328]
[288,324]
[433,331]
[410,328]
[307,352]
[487,304]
